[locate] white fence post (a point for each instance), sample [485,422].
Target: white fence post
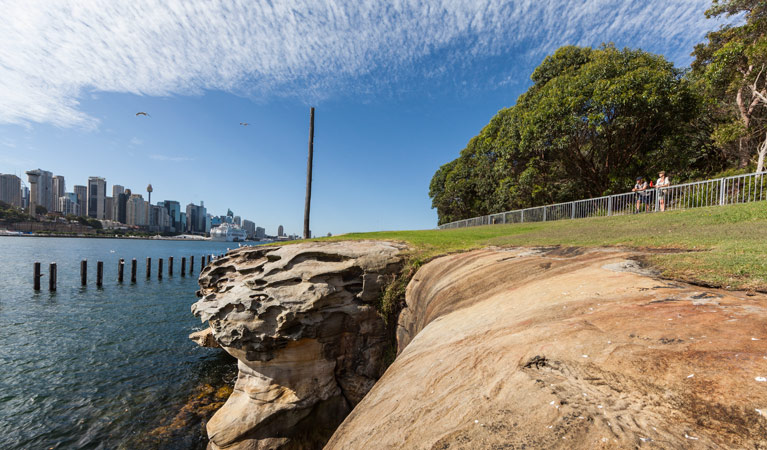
[722,189]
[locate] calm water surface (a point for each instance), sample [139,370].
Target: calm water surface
[97,368]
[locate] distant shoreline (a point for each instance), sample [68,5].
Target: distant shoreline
[143,238]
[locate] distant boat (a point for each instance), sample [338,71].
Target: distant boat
[227,232]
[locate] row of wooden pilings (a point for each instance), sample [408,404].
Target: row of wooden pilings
[53,271]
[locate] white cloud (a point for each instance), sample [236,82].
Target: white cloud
[135,142]
[52,52]
[158,157]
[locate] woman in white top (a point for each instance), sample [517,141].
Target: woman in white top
[660,185]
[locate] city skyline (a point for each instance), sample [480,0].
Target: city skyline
[50,192]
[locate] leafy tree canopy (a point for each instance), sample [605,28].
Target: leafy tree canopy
[731,70]
[592,120]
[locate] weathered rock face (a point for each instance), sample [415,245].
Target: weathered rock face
[558,349]
[302,322]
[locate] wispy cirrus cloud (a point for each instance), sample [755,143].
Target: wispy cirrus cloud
[52,52]
[158,157]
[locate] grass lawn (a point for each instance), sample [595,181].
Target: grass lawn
[726,246]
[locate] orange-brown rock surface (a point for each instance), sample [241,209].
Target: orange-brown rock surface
[566,349]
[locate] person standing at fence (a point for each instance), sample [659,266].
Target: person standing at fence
[661,185]
[641,192]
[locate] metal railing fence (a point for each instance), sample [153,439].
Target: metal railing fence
[744,188]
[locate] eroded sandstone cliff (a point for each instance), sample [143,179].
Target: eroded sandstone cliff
[566,349]
[302,322]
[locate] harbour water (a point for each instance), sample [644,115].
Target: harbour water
[99,368]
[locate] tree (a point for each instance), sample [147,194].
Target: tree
[41,210]
[731,68]
[592,120]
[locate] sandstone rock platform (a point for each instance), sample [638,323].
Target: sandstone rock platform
[570,349]
[302,322]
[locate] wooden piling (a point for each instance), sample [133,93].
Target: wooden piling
[183,266]
[191,265]
[133,270]
[36,276]
[120,270]
[208,259]
[170,266]
[99,273]
[149,267]
[52,277]
[84,272]
[159,269]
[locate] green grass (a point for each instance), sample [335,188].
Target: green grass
[724,246]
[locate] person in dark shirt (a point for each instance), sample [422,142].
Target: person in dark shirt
[641,191]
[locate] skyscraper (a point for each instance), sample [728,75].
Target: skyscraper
[109,208]
[121,204]
[97,194]
[117,190]
[196,218]
[82,195]
[250,228]
[10,189]
[280,231]
[41,190]
[59,189]
[136,210]
[68,204]
[174,211]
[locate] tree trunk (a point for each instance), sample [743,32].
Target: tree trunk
[743,156]
[762,154]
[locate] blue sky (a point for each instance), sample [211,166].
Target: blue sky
[400,88]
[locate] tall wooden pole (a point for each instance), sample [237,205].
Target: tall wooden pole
[307,233]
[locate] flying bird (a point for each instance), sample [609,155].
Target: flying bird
[141,113]
[244,124]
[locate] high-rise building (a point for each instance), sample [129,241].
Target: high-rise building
[174,212]
[97,194]
[10,189]
[280,231]
[260,233]
[68,204]
[25,198]
[250,228]
[136,211]
[196,218]
[82,195]
[159,219]
[182,227]
[59,189]
[117,190]
[120,205]
[40,190]
[238,221]
[109,208]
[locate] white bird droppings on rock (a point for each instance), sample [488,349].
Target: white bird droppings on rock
[760,379]
[690,437]
[690,375]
